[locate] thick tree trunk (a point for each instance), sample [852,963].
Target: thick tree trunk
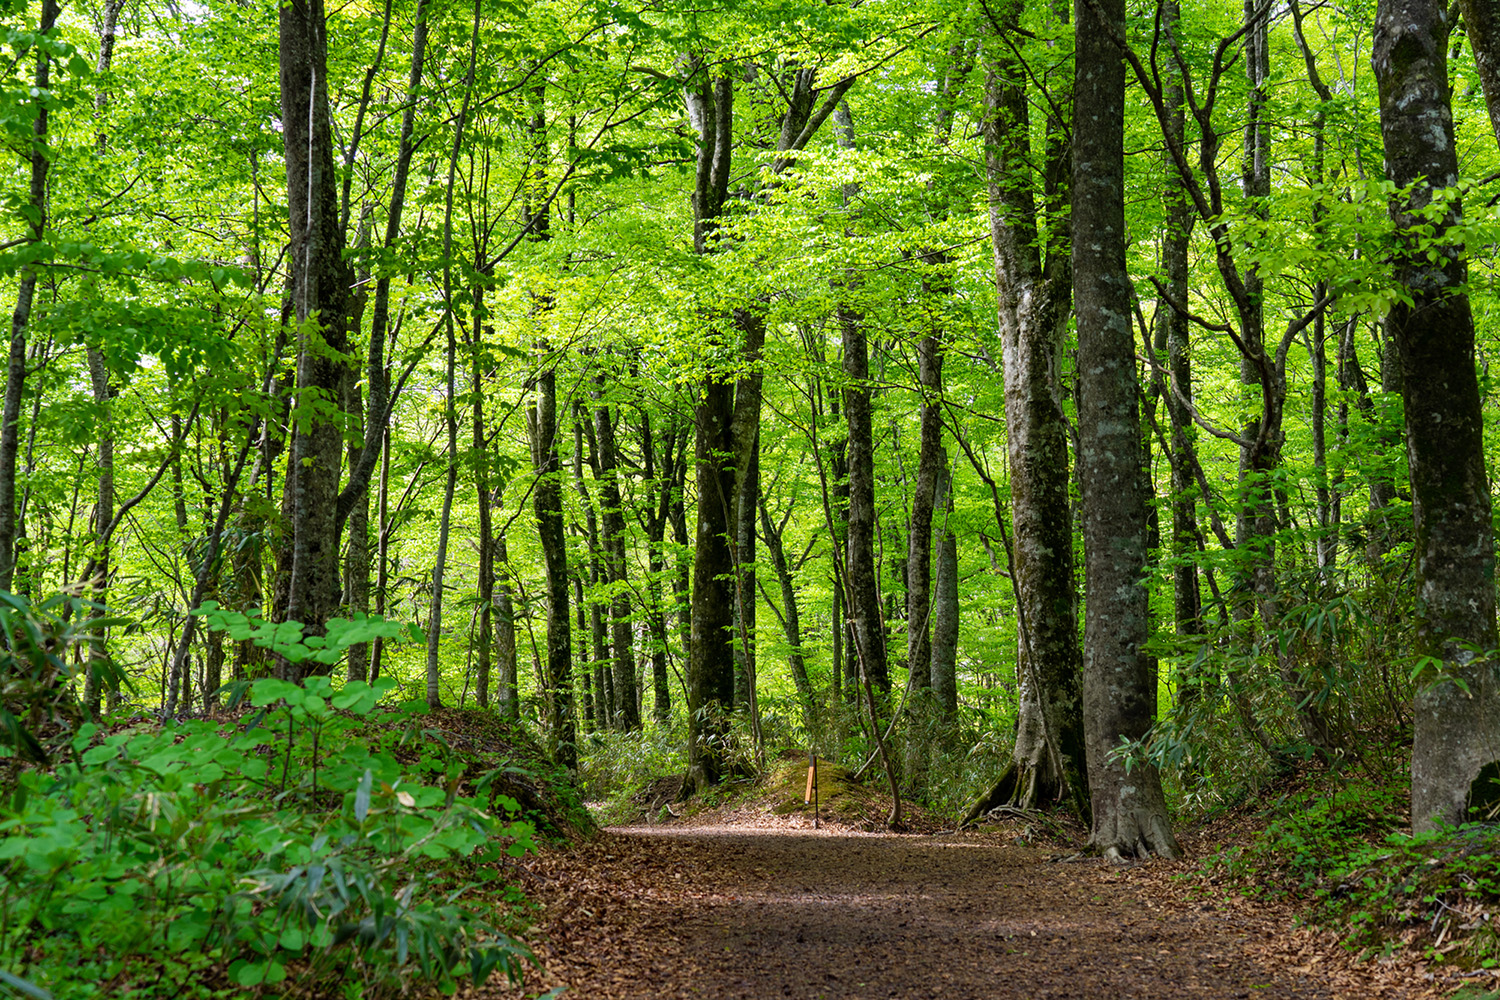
[320,281]
[711,661]
[1482,22]
[1455,752]
[1129,811]
[710,102]
[1032,298]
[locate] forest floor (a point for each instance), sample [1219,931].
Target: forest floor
[749,904]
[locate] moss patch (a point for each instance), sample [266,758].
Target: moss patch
[839,797]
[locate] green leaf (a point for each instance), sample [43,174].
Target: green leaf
[362,795]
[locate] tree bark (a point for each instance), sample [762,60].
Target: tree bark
[15,369]
[1129,811]
[319,282]
[1455,752]
[612,514]
[450,373]
[507,690]
[547,507]
[859,566]
[1032,297]
[943,667]
[924,489]
[1482,22]
[791,618]
[483,654]
[710,103]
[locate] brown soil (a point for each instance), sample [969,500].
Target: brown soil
[767,907]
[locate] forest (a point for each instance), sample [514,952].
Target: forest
[1034,409]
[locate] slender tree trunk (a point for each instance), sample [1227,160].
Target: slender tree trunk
[547,504]
[860,571]
[15,371]
[661,477]
[104,509]
[919,536]
[450,404]
[944,663]
[482,653]
[613,515]
[507,688]
[791,619]
[1129,811]
[1455,752]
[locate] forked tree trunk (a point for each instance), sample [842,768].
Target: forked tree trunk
[1455,751]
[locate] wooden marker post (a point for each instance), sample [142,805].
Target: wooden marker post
[811,795]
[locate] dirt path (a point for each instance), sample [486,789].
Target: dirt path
[744,913]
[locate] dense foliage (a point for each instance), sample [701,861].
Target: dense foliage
[645,359]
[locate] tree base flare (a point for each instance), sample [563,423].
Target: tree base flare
[1135,835]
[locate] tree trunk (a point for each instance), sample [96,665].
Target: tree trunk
[661,477]
[613,516]
[791,619]
[15,370]
[1455,754]
[450,381]
[859,565]
[944,663]
[1032,297]
[1129,811]
[480,456]
[919,535]
[1482,22]
[508,702]
[547,506]
[319,281]
[711,658]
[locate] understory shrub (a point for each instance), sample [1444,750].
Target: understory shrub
[278,855]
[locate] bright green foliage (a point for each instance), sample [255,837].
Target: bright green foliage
[210,858]
[39,705]
[1345,854]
